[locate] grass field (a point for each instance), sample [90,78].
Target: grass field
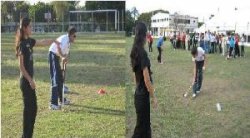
[96,61]
[226,82]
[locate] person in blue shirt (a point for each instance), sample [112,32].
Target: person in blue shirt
[231,46]
[159,44]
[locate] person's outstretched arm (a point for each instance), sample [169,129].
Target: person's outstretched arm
[46,42]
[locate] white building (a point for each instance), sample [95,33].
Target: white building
[184,23]
[159,23]
[165,23]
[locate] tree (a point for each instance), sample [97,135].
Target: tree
[21,9]
[130,23]
[37,11]
[146,18]
[60,7]
[200,24]
[6,10]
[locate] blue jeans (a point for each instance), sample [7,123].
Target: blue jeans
[199,76]
[206,46]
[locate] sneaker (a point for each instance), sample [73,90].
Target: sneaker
[54,107]
[161,62]
[194,95]
[66,102]
[66,89]
[198,92]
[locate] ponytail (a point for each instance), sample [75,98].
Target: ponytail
[20,34]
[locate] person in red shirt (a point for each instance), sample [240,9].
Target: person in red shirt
[178,42]
[237,50]
[150,42]
[183,39]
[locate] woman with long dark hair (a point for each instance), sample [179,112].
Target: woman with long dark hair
[141,67]
[24,53]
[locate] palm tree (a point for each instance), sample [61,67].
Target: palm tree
[60,7]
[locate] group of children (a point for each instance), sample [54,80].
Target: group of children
[58,51]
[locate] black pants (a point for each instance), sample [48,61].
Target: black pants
[242,51]
[30,108]
[189,43]
[183,45]
[237,50]
[142,107]
[159,56]
[212,47]
[56,78]
[231,51]
[150,46]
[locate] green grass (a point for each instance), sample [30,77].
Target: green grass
[227,82]
[96,61]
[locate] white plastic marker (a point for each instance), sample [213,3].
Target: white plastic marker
[186,93]
[218,107]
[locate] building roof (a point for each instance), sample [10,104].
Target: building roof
[159,15]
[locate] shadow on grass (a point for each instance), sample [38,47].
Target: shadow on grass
[72,93]
[95,110]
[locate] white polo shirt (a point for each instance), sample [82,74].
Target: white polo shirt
[200,55]
[64,45]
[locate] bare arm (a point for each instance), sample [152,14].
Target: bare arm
[46,42]
[148,82]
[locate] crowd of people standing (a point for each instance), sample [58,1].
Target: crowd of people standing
[229,45]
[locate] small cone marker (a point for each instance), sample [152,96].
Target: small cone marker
[101,91]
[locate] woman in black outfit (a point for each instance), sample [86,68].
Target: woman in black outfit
[24,53]
[141,67]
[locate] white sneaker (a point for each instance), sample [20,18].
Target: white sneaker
[194,95]
[54,107]
[66,102]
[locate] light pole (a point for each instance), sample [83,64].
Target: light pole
[235,20]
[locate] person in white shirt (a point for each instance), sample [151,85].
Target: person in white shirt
[207,42]
[242,40]
[57,53]
[200,60]
[213,41]
[223,44]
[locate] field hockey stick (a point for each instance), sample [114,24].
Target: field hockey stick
[64,75]
[188,90]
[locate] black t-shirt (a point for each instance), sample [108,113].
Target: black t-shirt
[143,62]
[26,49]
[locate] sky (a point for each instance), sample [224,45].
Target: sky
[198,8]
